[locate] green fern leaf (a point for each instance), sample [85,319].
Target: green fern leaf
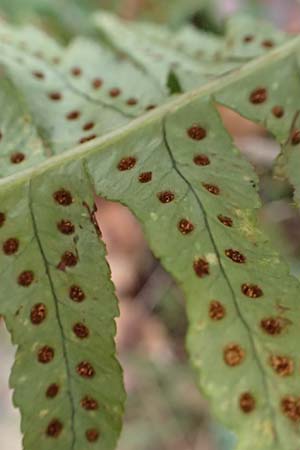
[61,313]
[195,196]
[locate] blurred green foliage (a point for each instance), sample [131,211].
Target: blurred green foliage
[66,18]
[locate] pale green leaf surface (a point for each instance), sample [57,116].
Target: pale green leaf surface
[150,55]
[96,108]
[17,132]
[117,72]
[206,49]
[247,38]
[191,41]
[29,40]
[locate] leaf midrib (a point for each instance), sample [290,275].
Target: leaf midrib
[102,142]
[57,314]
[191,188]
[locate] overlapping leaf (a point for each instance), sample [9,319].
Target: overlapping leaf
[19,140]
[154,56]
[248,38]
[195,196]
[271,98]
[288,163]
[70,96]
[194,57]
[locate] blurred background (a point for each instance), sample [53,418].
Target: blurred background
[164,409]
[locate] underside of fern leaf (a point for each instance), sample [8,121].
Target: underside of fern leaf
[66,380]
[241,302]
[178,171]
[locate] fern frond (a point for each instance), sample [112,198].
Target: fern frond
[178,171]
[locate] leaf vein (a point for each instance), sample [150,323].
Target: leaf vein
[57,314]
[223,271]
